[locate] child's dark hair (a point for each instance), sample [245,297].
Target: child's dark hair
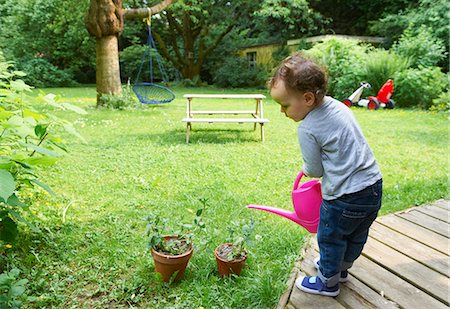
[301,74]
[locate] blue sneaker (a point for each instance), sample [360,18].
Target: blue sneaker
[314,285]
[344,274]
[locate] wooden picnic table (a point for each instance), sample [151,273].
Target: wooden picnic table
[255,115]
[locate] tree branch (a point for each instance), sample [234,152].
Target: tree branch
[143,12]
[218,40]
[173,23]
[165,52]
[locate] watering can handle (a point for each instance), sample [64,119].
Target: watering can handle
[297,180]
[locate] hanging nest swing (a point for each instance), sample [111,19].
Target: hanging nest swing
[149,92]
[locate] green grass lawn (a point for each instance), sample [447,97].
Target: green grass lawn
[92,251]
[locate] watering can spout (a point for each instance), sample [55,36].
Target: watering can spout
[306,198]
[278,211]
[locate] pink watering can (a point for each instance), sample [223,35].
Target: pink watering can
[306,198]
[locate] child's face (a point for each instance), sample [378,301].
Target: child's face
[295,105]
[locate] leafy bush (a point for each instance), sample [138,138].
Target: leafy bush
[124,101]
[420,47]
[12,289]
[41,73]
[343,59]
[27,141]
[419,87]
[441,103]
[235,72]
[431,13]
[381,65]
[349,63]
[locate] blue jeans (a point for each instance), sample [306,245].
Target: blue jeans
[344,228]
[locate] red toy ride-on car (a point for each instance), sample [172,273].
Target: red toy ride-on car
[383,98]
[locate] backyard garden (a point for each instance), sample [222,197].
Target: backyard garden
[90,183]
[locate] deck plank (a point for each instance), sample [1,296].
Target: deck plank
[442,204]
[393,287]
[347,297]
[424,278]
[423,254]
[414,231]
[367,298]
[428,222]
[435,212]
[300,299]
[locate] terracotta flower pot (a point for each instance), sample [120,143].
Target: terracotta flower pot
[226,267]
[167,265]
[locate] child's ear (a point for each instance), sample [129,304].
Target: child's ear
[310,98]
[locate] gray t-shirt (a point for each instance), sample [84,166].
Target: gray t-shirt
[333,147]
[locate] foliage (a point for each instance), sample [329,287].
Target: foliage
[289,19]
[12,289]
[350,63]
[48,30]
[280,54]
[28,141]
[235,72]
[41,73]
[241,233]
[344,60]
[419,87]
[442,103]
[381,65]
[126,100]
[193,31]
[353,17]
[430,13]
[157,228]
[421,48]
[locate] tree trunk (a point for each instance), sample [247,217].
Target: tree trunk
[191,71]
[108,72]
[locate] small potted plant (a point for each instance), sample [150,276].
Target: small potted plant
[231,257]
[172,252]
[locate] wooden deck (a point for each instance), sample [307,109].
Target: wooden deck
[405,264]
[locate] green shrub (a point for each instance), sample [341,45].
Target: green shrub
[235,72]
[442,103]
[343,59]
[421,47]
[41,73]
[419,87]
[124,101]
[12,289]
[381,65]
[431,13]
[279,54]
[27,143]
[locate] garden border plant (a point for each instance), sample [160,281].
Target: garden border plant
[28,143]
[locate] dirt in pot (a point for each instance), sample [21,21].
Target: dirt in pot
[173,246]
[231,252]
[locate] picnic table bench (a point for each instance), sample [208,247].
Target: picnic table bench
[257,115]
